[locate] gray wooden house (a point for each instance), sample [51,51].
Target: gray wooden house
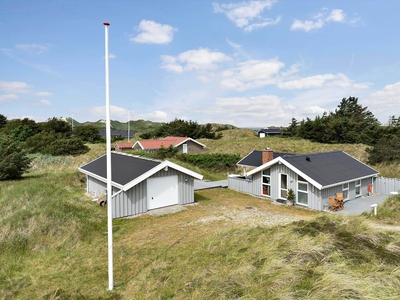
[140,184]
[313,177]
[262,133]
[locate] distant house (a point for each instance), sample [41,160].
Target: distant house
[262,133]
[185,145]
[122,147]
[313,177]
[140,184]
[117,132]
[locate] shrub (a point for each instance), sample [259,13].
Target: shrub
[13,160]
[216,161]
[73,146]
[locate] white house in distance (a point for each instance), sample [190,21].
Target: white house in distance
[313,177]
[140,184]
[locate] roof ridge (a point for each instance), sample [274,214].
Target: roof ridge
[316,153]
[137,156]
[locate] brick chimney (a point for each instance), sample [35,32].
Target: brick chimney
[267,155]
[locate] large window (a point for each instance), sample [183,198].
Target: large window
[346,191]
[302,191]
[358,188]
[284,186]
[266,182]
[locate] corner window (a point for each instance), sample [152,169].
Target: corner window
[346,191]
[358,188]
[302,191]
[266,182]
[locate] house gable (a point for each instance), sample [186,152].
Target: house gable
[129,170]
[325,169]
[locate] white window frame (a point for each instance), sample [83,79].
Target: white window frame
[280,185]
[268,185]
[185,148]
[302,191]
[358,185]
[345,191]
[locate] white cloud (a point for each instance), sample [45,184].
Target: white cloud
[337,15]
[43,103]
[321,19]
[31,48]
[324,80]
[156,116]
[254,111]
[201,59]
[293,69]
[307,25]
[44,94]
[111,56]
[115,112]
[232,44]
[388,96]
[265,23]
[252,74]
[245,12]
[15,87]
[8,97]
[154,33]
[12,89]
[120,113]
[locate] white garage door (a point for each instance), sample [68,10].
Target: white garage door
[162,191]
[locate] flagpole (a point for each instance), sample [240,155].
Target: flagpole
[128,124]
[108,155]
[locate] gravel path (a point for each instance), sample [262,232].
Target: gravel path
[249,216]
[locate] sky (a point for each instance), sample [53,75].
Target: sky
[244,63]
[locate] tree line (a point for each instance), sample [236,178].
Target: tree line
[184,128]
[20,137]
[351,123]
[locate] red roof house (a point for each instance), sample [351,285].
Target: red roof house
[184,144]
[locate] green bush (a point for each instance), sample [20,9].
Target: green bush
[215,161]
[73,146]
[13,160]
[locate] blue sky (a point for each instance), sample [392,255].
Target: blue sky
[245,63]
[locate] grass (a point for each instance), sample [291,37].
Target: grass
[389,212]
[53,245]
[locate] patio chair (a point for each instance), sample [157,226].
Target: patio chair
[335,206]
[339,196]
[340,200]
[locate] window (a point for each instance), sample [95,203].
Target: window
[184,149]
[266,182]
[302,191]
[284,186]
[358,188]
[345,191]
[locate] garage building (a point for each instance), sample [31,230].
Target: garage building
[140,184]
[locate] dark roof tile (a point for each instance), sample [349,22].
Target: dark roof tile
[125,168]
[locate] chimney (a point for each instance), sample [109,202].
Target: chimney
[267,155]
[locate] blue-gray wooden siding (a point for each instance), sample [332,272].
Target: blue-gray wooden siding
[387,185]
[134,201]
[316,198]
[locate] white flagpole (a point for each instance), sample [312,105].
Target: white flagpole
[128,124]
[108,155]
